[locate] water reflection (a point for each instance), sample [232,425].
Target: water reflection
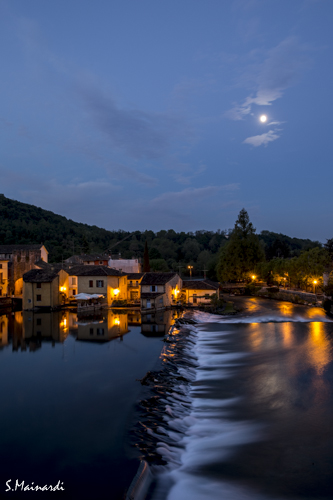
[27,330]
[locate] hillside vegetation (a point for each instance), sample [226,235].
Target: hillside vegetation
[21,223]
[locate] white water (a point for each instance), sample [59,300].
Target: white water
[206,434]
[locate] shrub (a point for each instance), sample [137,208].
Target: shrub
[327,304]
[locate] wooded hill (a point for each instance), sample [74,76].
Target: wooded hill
[21,223]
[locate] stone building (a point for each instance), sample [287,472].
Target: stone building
[160,290]
[15,261]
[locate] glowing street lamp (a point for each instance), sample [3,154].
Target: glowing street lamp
[190,268]
[314,285]
[253,277]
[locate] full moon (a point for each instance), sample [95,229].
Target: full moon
[263,118]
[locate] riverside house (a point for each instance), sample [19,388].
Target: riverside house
[15,260]
[198,291]
[134,286]
[101,280]
[44,288]
[160,290]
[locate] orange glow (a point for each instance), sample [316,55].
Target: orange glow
[116,291]
[63,289]
[319,347]
[116,321]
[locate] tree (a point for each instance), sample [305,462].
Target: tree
[240,255]
[146,266]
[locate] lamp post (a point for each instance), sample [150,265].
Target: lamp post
[314,286]
[190,268]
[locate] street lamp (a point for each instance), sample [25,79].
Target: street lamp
[190,268]
[314,283]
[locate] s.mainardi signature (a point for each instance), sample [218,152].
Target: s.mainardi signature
[32,487]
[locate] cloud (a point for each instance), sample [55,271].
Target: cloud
[263,139]
[141,134]
[191,195]
[282,67]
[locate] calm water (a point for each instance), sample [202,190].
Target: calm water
[68,395]
[251,417]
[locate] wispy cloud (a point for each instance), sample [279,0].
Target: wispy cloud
[281,68]
[191,195]
[263,139]
[141,134]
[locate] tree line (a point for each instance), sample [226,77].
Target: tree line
[21,223]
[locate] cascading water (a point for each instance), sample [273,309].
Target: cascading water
[209,429]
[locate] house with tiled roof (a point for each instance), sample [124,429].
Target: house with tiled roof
[15,260]
[95,259]
[160,290]
[44,289]
[100,280]
[134,286]
[199,291]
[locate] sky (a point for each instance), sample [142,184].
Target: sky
[145,114]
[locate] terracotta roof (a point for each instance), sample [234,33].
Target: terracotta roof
[151,295]
[199,285]
[157,278]
[135,276]
[84,270]
[39,276]
[12,248]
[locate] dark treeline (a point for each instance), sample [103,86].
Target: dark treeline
[21,223]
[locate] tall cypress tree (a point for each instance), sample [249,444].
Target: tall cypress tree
[146,265]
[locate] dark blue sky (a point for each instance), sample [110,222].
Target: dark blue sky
[145,114]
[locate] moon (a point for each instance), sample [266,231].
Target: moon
[263,118]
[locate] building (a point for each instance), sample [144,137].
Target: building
[125,265]
[15,260]
[103,280]
[44,289]
[199,291]
[134,286]
[160,290]
[95,259]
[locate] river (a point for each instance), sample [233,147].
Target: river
[237,407]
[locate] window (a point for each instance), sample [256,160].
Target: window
[99,283]
[195,298]
[101,262]
[38,285]
[0,291]
[131,283]
[74,281]
[153,288]
[100,331]
[73,291]
[39,298]
[39,321]
[91,331]
[137,283]
[0,266]
[91,283]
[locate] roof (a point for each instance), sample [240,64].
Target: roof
[52,267]
[87,257]
[199,285]
[12,248]
[157,278]
[39,276]
[87,270]
[151,295]
[135,276]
